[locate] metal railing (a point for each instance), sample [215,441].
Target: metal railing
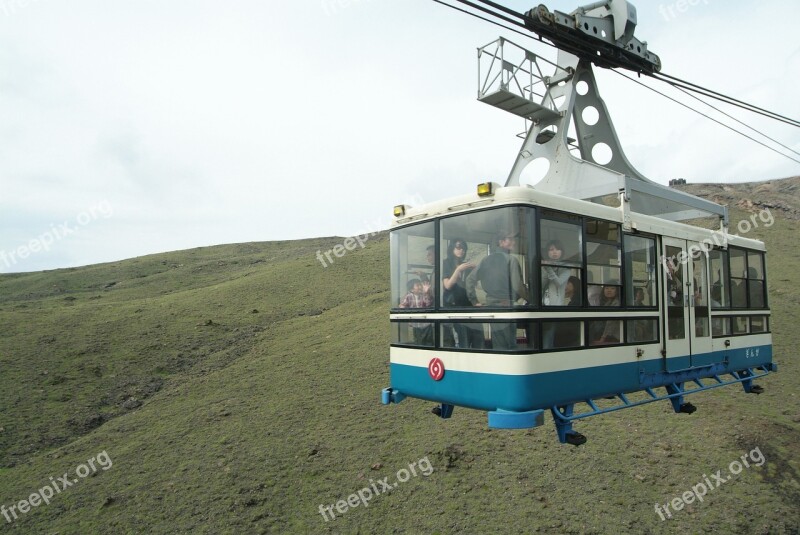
[505,66]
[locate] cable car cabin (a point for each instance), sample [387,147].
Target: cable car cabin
[585,293]
[522,301]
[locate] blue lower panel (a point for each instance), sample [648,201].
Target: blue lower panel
[521,393]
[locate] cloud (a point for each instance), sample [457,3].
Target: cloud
[205,122]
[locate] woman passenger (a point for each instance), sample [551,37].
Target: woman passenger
[455,269]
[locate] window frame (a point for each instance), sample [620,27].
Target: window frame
[746,279]
[655,307]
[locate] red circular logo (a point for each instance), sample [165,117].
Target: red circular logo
[436,369]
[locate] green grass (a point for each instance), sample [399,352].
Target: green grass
[252,421]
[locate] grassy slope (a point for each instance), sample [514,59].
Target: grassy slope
[252,422]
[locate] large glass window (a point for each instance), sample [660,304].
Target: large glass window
[748,288]
[720,283]
[603,263]
[413,333]
[640,269]
[413,265]
[487,258]
[758,324]
[738,260]
[700,297]
[755,280]
[605,332]
[565,334]
[494,335]
[562,260]
[642,330]
[741,325]
[676,299]
[721,326]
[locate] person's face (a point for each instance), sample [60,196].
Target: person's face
[458,250]
[569,290]
[610,291]
[509,242]
[417,288]
[554,252]
[430,256]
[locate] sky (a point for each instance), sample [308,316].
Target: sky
[139,126]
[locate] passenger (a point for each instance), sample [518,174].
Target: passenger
[610,333]
[638,297]
[716,295]
[424,275]
[500,276]
[756,294]
[567,333]
[674,284]
[572,292]
[418,296]
[554,282]
[430,254]
[610,296]
[739,293]
[454,274]
[554,278]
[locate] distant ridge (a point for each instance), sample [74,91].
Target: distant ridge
[781,196]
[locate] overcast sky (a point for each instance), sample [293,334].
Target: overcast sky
[134,127]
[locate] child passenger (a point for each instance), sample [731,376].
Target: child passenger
[419,296]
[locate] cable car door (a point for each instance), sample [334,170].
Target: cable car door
[699,311]
[687,337]
[676,340]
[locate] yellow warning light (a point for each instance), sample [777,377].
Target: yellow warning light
[485,189]
[400,210]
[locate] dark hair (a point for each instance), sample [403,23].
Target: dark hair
[716,292]
[576,282]
[451,247]
[610,284]
[506,233]
[557,243]
[577,293]
[413,282]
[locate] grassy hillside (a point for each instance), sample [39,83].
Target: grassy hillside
[236,389]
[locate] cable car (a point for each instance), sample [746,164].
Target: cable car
[590,291]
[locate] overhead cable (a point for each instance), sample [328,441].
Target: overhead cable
[706,116]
